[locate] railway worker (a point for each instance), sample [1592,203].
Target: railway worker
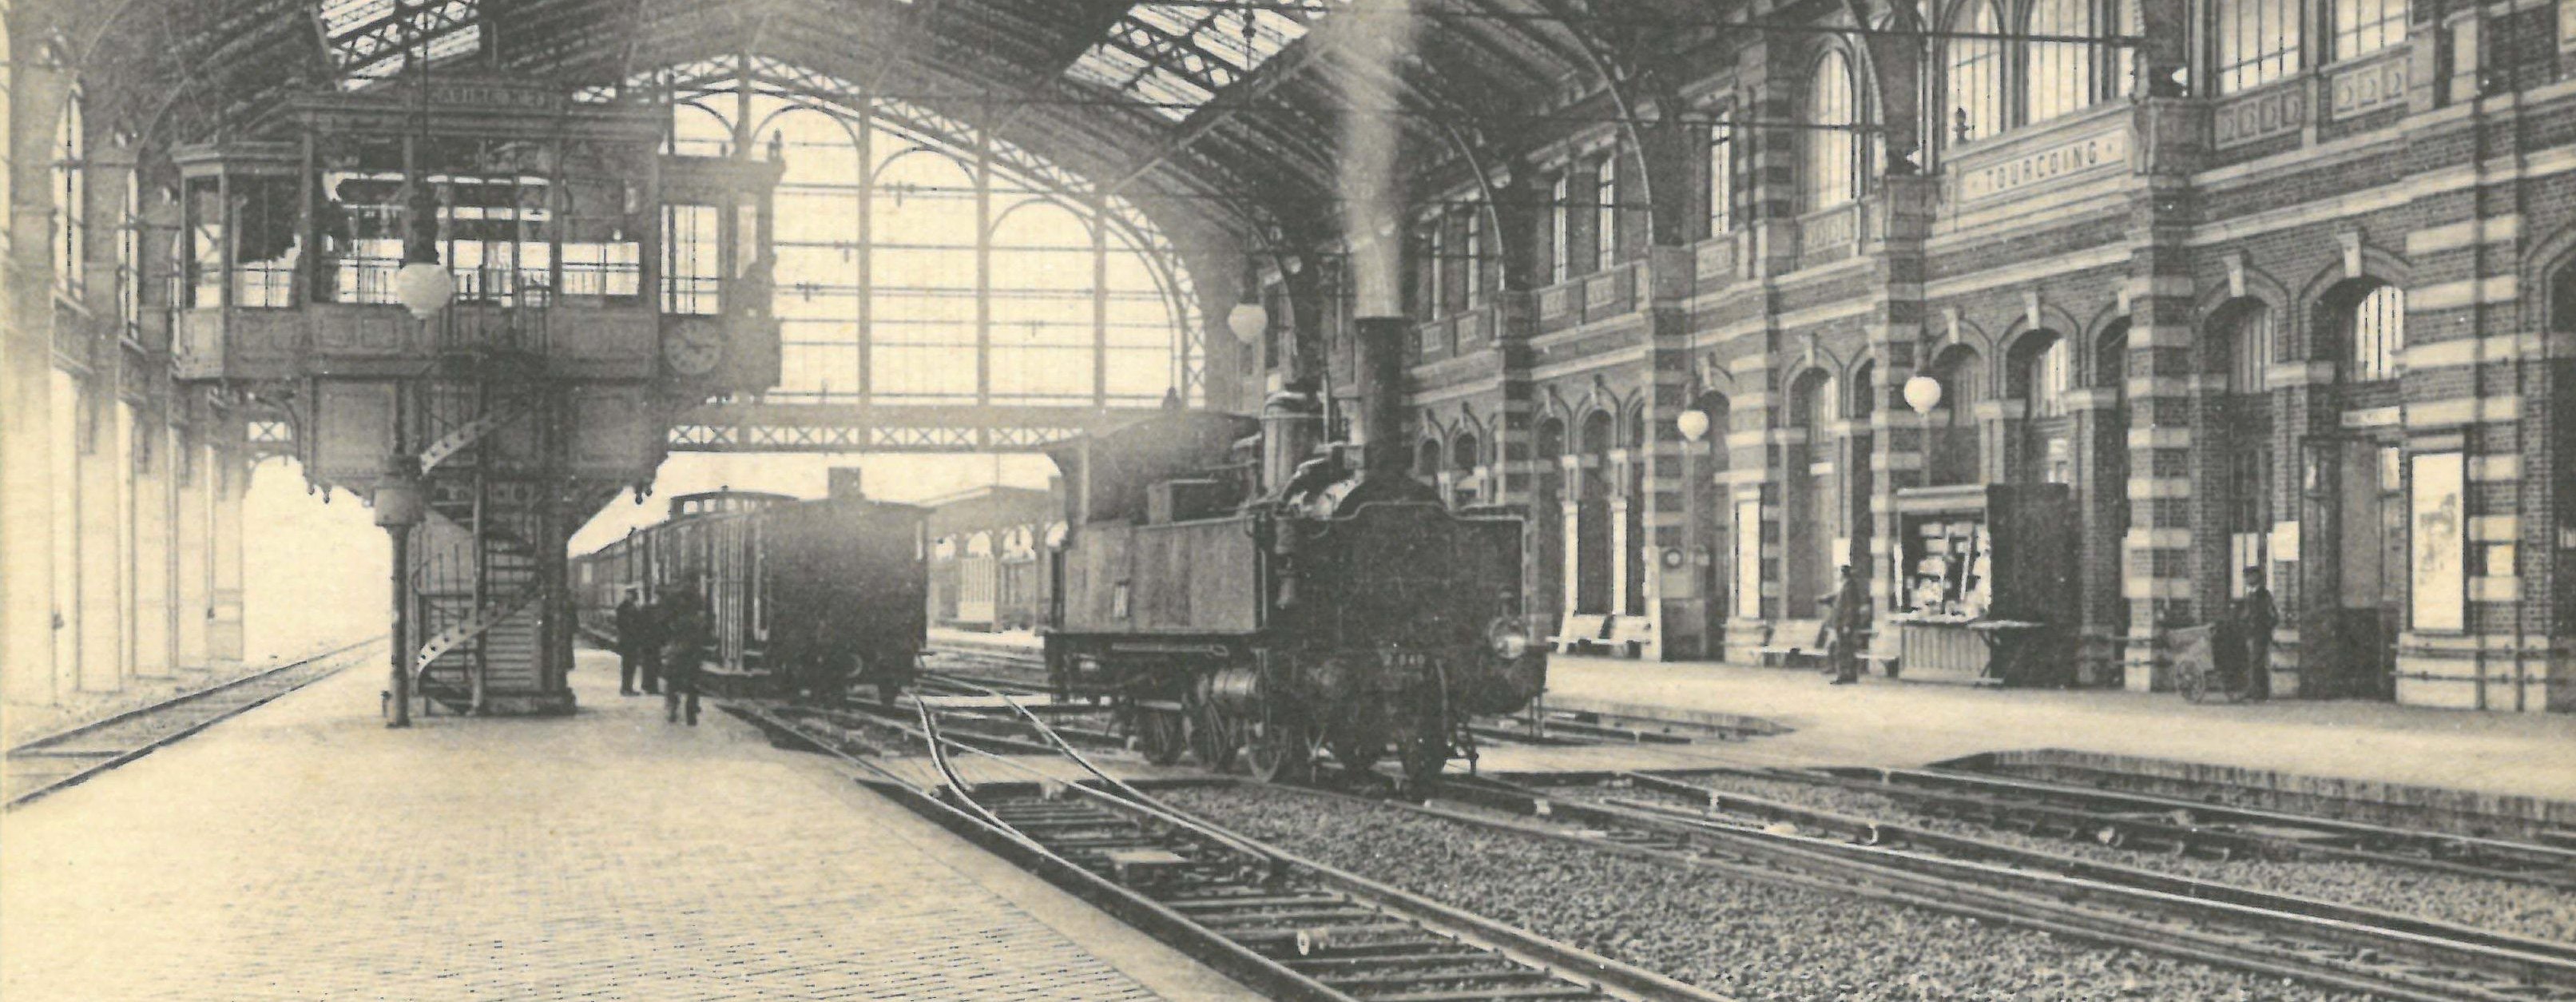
[1851,625]
[631,644]
[2255,616]
[685,633]
[649,636]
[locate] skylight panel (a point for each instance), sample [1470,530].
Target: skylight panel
[1173,95]
[1169,53]
[369,40]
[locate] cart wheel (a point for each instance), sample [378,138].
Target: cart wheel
[1278,748]
[2195,685]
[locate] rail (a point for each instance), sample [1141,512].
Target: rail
[34,767]
[1290,928]
[2339,946]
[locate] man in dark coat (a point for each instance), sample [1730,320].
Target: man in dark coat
[1851,625]
[630,642]
[2256,615]
[686,632]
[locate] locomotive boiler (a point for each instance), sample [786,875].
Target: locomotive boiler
[1235,591]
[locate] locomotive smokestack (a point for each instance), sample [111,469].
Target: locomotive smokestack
[1381,379]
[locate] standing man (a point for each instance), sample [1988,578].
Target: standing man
[686,630]
[2256,615]
[1851,625]
[649,635]
[630,642]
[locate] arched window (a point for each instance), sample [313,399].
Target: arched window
[2061,73]
[1833,155]
[2378,325]
[1721,178]
[2043,370]
[2258,42]
[1426,459]
[71,199]
[2362,27]
[1976,105]
[1466,454]
[2249,348]
[912,272]
[1434,242]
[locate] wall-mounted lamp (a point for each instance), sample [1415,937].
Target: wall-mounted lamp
[1923,393]
[1692,424]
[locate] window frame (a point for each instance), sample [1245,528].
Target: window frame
[1837,150]
[2255,43]
[1976,76]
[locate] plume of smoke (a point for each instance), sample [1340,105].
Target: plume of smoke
[1372,155]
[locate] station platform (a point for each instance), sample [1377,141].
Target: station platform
[1885,722]
[303,851]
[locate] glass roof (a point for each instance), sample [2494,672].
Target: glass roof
[368,41]
[1175,56]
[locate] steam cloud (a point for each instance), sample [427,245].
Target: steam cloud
[1372,150]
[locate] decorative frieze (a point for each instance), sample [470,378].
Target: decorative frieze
[2262,115]
[2367,86]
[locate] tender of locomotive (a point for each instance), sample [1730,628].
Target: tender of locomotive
[1232,595]
[811,596]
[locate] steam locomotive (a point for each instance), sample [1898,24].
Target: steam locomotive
[1230,592]
[804,595]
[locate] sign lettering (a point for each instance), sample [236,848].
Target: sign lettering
[2063,159]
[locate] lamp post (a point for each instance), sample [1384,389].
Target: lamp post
[399,507]
[1693,424]
[1924,393]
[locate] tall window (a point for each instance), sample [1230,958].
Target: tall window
[1721,178]
[1605,205]
[2258,42]
[1561,228]
[1475,255]
[2362,27]
[1833,156]
[1976,106]
[2249,349]
[129,259]
[690,274]
[2378,334]
[1436,247]
[71,200]
[2061,73]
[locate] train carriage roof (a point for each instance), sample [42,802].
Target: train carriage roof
[1132,457]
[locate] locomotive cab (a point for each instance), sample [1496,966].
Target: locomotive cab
[1289,611]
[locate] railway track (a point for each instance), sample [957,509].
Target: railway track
[2321,943]
[1286,926]
[74,756]
[2171,824]
[1021,672]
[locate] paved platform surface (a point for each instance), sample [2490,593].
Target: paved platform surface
[1891,723]
[302,851]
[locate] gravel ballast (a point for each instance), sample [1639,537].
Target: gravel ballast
[2498,905]
[1747,939]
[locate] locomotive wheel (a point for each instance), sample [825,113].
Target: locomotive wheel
[1161,737]
[1214,737]
[1278,750]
